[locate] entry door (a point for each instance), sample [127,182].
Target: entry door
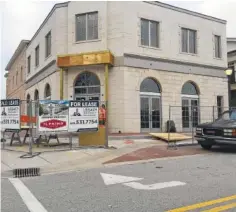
[190,113]
[150,114]
[87,98]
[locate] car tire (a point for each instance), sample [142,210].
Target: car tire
[206,146]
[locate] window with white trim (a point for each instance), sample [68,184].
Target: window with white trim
[189,40]
[217,42]
[37,56]
[149,33]
[87,26]
[28,64]
[48,44]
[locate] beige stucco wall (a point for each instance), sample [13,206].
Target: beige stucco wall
[53,80]
[124,96]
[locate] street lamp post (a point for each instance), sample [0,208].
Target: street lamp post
[228,72]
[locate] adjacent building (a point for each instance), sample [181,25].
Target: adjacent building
[141,57]
[15,83]
[231,47]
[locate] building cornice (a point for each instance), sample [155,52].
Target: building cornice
[17,52]
[56,6]
[189,12]
[231,39]
[173,61]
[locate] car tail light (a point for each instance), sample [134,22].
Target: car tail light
[230,132]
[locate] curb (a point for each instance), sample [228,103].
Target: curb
[187,144]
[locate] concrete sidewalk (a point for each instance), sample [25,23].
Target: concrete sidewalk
[78,159]
[82,158]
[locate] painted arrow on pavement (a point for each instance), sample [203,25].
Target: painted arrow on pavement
[111,179]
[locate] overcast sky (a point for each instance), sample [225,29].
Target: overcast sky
[20,19]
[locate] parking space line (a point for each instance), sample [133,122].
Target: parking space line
[222,208]
[28,198]
[203,204]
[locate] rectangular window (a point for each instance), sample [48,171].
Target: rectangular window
[48,44]
[149,33]
[219,105]
[189,40]
[217,40]
[87,26]
[37,56]
[29,63]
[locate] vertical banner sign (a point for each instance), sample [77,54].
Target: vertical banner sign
[53,115]
[10,114]
[83,116]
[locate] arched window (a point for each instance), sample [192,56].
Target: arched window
[16,77]
[36,94]
[150,105]
[28,98]
[47,92]
[21,73]
[190,105]
[87,86]
[150,85]
[189,88]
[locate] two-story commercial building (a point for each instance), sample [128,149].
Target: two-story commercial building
[140,56]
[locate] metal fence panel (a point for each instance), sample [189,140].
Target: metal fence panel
[184,119]
[31,140]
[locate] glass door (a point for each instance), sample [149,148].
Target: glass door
[185,114]
[155,113]
[150,114]
[144,114]
[190,113]
[195,112]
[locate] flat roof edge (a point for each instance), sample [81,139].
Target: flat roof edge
[17,52]
[179,9]
[56,6]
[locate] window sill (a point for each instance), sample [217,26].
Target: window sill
[87,41]
[150,47]
[48,57]
[218,58]
[190,54]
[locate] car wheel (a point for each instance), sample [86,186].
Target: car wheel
[206,146]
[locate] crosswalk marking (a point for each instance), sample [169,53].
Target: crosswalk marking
[222,208]
[203,204]
[28,198]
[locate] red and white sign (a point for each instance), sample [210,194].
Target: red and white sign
[53,115]
[53,124]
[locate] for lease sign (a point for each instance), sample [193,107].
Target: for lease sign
[10,114]
[83,116]
[53,115]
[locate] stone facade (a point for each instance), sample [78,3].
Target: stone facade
[119,30]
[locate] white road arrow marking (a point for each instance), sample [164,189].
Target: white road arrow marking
[111,179]
[155,186]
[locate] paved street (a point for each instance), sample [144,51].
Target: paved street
[161,185]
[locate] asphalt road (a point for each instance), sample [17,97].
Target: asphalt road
[204,178]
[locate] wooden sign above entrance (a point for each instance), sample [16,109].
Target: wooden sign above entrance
[93,58]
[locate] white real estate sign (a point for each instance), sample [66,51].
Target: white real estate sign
[10,114]
[83,116]
[53,115]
